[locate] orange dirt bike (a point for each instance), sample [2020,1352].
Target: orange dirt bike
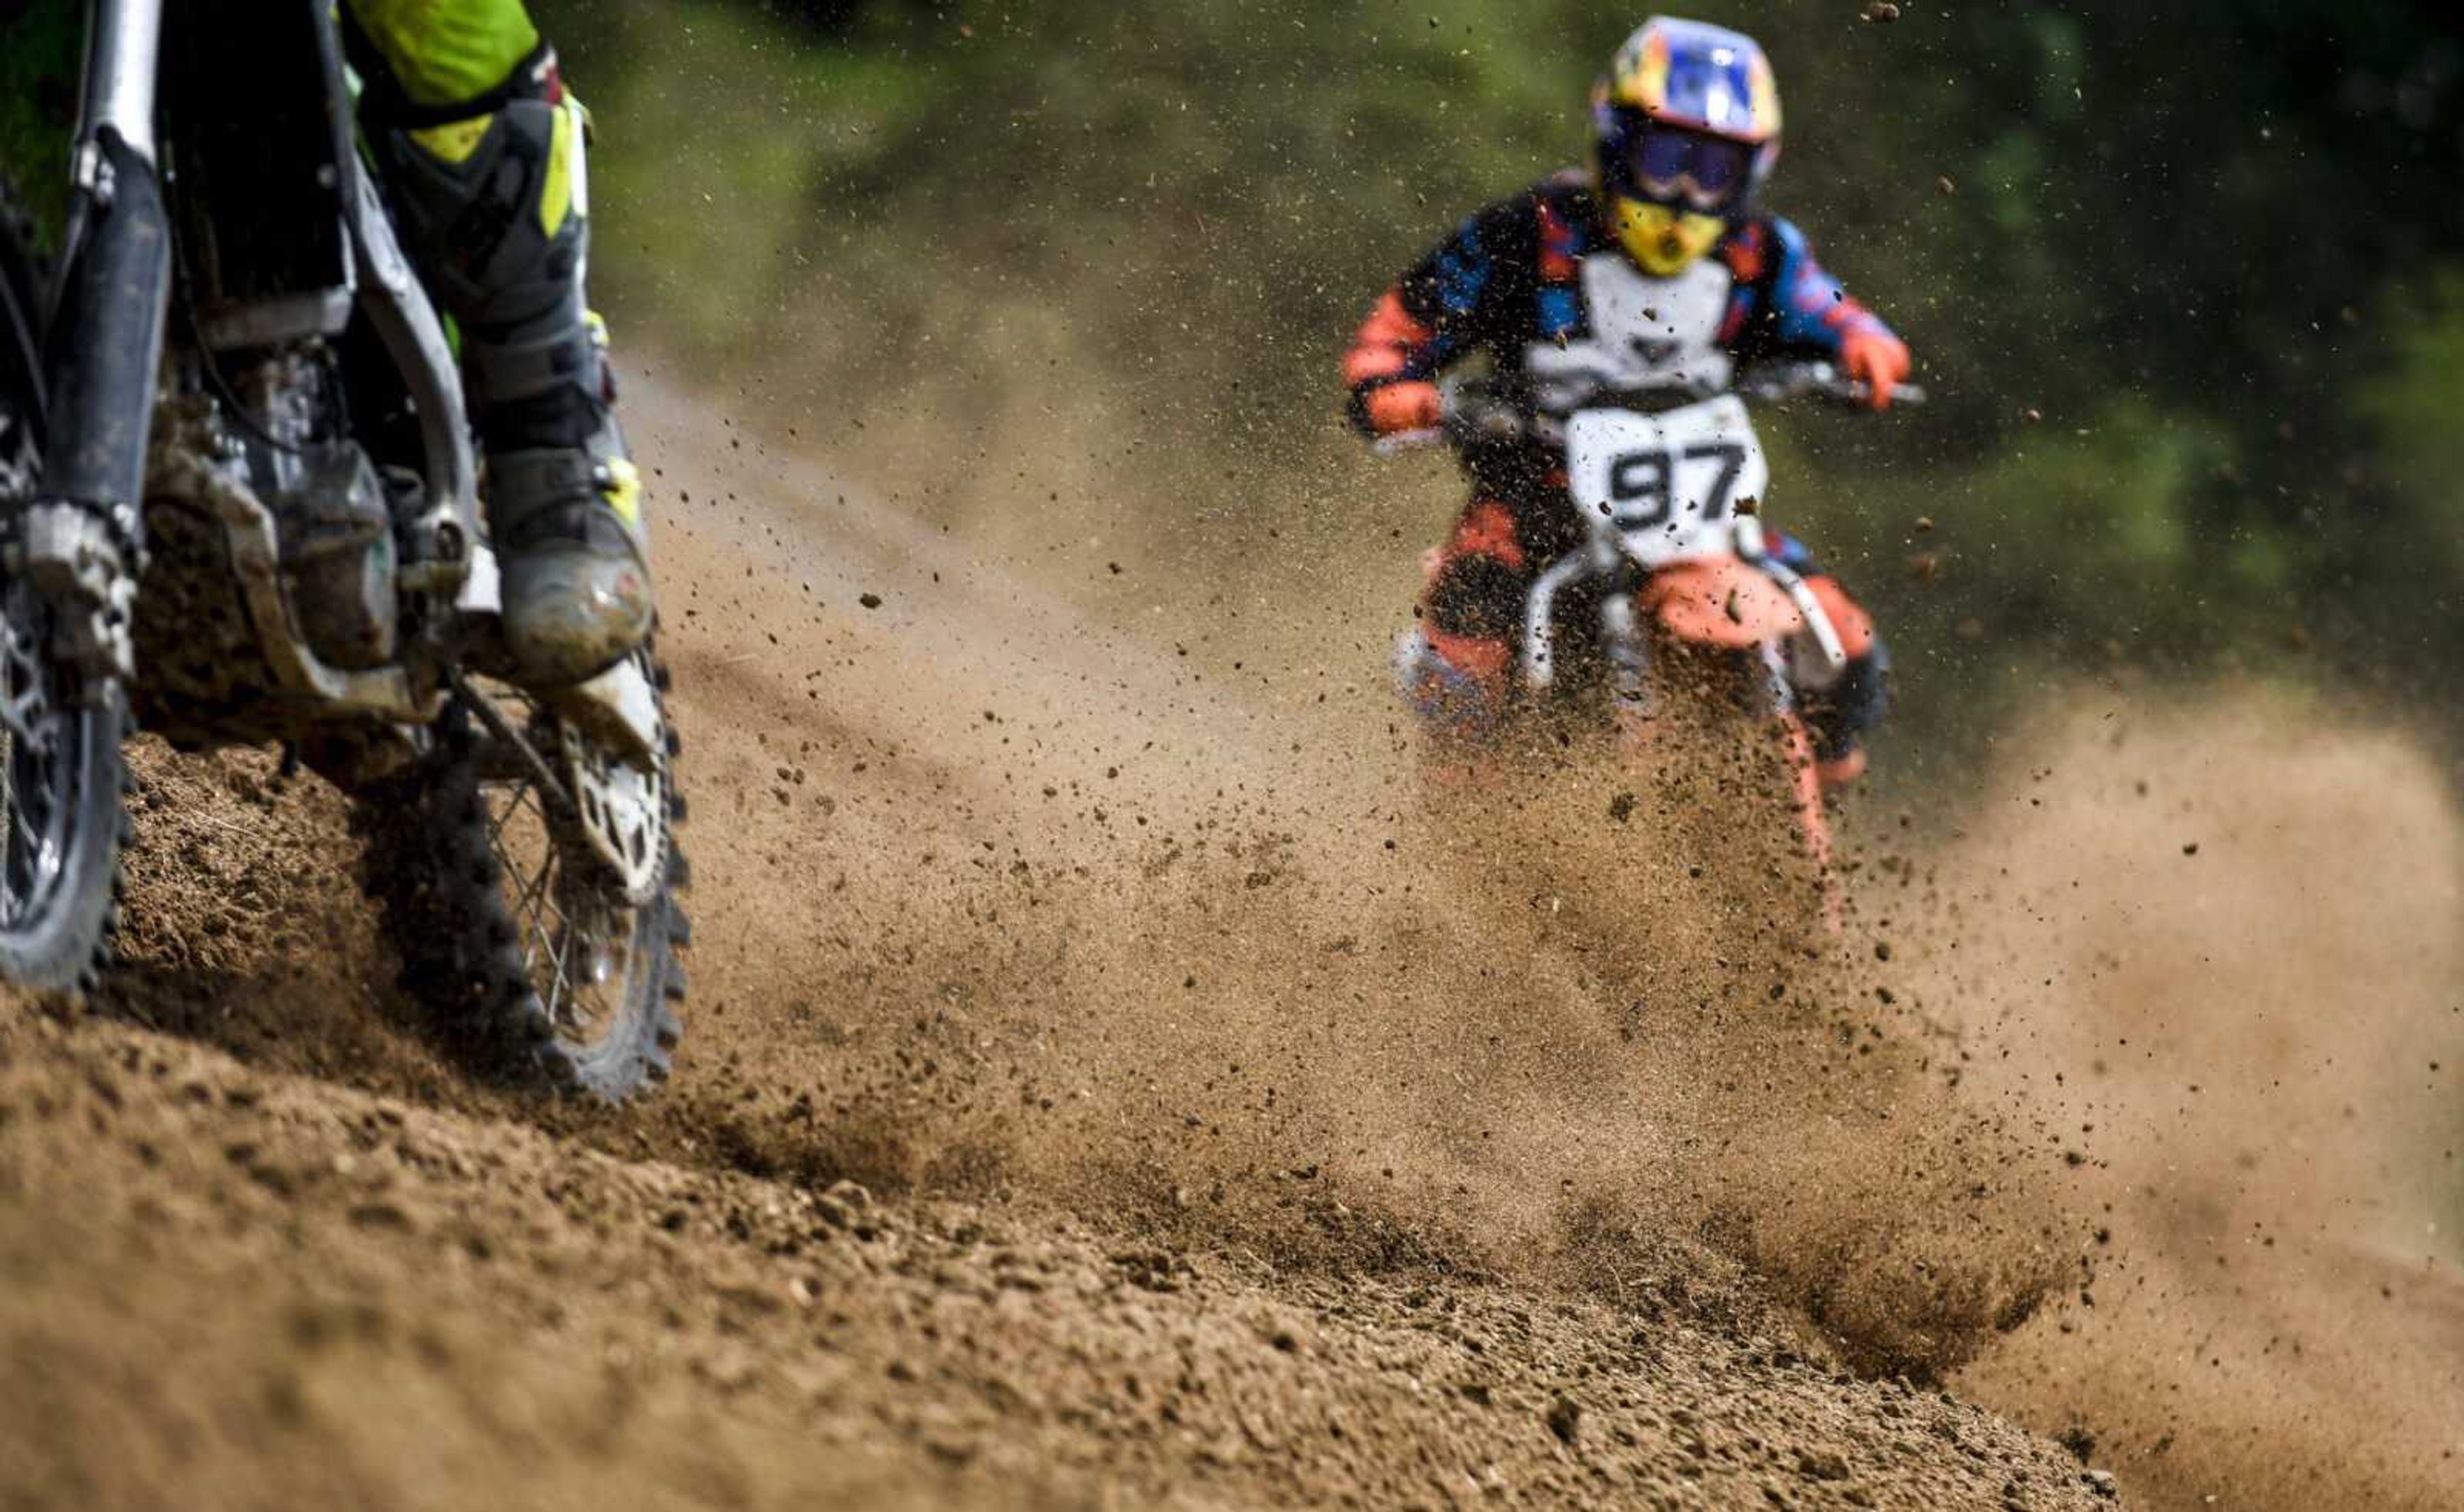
[239,499]
[1669,580]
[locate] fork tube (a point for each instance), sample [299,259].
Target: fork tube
[1629,658]
[108,334]
[1779,689]
[123,49]
[1540,619]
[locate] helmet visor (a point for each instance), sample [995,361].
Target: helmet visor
[1672,165]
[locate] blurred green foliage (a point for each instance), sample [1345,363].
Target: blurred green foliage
[38,52]
[2186,279]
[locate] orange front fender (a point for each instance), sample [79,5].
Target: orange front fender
[1723,602]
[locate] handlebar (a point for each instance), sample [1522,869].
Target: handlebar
[1475,413]
[1778,383]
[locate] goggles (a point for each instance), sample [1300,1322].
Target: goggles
[1672,165]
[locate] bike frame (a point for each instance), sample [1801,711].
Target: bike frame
[1629,583]
[1600,559]
[105,351]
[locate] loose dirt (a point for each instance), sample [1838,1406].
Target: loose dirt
[2217,949]
[1113,1079]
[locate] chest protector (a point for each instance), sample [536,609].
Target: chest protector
[1638,333]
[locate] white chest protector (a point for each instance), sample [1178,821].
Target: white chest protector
[1645,333]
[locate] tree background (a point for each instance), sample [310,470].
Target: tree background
[2186,281]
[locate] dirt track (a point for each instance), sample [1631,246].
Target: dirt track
[1215,1133]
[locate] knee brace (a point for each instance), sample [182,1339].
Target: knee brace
[1839,716]
[1463,702]
[1476,595]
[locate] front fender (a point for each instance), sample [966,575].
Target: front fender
[1721,601]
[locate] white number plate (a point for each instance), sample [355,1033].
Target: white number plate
[1665,486]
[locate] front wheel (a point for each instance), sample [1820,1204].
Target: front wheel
[62,823]
[528,875]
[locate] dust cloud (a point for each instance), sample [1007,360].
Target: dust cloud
[2213,948]
[1041,891]
[1172,926]
[1157,881]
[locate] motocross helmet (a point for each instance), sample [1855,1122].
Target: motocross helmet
[1685,129]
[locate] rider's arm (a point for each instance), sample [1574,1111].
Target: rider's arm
[1809,309]
[1431,317]
[1389,370]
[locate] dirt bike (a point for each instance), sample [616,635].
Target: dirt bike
[239,504]
[1671,566]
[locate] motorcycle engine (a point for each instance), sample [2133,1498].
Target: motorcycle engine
[337,553]
[331,511]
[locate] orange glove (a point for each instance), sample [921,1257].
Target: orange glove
[1404,406]
[1876,358]
[1388,341]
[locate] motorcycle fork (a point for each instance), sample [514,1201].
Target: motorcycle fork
[1627,652]
[80,542]
[1628,649]
[1805,779]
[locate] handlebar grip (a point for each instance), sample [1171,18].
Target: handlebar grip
[1779,382]
[1858,394]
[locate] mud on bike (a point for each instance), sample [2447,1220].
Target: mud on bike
[240,506]
[1669,580]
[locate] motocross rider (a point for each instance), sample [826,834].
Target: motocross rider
[1658,268]
[481,149]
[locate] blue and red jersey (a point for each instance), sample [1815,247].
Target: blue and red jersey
[1540,285]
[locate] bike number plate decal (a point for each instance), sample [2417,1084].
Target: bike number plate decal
[1666,487]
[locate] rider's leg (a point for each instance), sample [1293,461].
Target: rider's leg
[1840,707]
[1454,665]
[1839,716]
[482,153]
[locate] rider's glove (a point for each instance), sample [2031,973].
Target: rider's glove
[1475,418]
[1875,359]
[1390,408]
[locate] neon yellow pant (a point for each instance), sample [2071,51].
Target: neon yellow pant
[444,52]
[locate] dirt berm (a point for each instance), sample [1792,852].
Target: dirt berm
[1105,1086]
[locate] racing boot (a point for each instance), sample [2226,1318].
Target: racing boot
[494,195]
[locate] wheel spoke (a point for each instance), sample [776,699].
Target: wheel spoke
[34,809]
[529,892]
[496,828]
[564,935]
[574,922]
[533,924]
